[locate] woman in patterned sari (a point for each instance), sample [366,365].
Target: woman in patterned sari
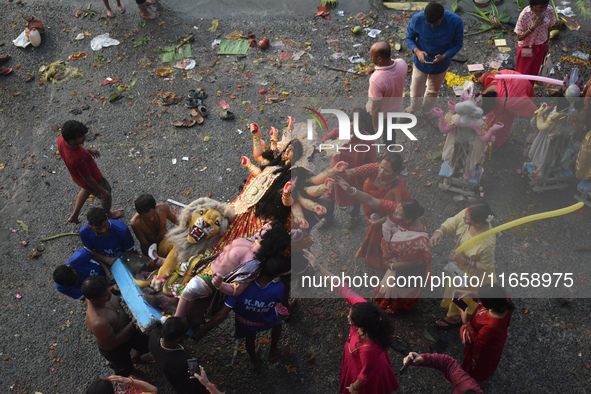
[381,182]
[405,248]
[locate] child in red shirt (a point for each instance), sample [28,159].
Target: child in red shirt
[83,169]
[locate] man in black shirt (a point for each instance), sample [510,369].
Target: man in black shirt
[171,357]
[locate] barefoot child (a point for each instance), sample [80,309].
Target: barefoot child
[83,169]
[141,4]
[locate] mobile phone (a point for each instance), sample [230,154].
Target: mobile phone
[193,366]
[429,60]
[460,303]
[406,366]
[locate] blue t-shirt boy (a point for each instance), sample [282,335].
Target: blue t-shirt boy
[255,307]
[118,241]
[84,266]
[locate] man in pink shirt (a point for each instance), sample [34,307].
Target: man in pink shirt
[386,84]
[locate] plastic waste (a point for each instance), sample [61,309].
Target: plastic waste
[185,64]
[373,33]
[356,59]
[102,41]
[22,41]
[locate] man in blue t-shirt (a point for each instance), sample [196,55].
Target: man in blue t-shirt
[258,308]
[107,239]
[435,36]
[69,277]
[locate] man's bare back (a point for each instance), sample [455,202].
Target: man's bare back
[150,227]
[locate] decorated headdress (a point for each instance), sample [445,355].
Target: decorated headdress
[299,132]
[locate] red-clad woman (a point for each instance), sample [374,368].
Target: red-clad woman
[485,334]
[366,367]
[382,181]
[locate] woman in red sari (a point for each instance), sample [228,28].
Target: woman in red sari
[405,248]
[485,334]
[366,367]
[406,253]
[381,182]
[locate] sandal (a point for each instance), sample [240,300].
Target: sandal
[168,98]
[185,123]
[5,71]
[197,116]
[202,110]
[227,115]
[197,94]
[447,325]
[4,58]
[193,103]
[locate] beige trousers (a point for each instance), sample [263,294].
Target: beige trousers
[426,85]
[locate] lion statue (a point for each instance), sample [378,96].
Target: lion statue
[201,224]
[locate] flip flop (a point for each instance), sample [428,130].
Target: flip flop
[202,110]
[197,94]
[185,123]
[193,103]
[448,325]
[168,98]
[5,71]
[4,58]
[227,115]
[194,113]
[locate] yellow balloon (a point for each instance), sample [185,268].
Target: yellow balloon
[519,222]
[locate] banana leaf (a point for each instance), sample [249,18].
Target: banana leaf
[482,28]
[505,17]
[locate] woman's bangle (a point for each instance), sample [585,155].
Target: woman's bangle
[391,269]
[471,263]
[317,268]
[530,30]
[132,382]
[211,387]
[438,230]
[354,191]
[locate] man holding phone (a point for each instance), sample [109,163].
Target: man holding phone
[435,36]
[171,357]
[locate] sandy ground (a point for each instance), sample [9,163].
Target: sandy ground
[44,345]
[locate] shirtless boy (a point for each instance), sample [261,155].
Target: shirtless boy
[149,224]
[114,332]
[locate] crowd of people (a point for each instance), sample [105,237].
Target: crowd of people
[249,266]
